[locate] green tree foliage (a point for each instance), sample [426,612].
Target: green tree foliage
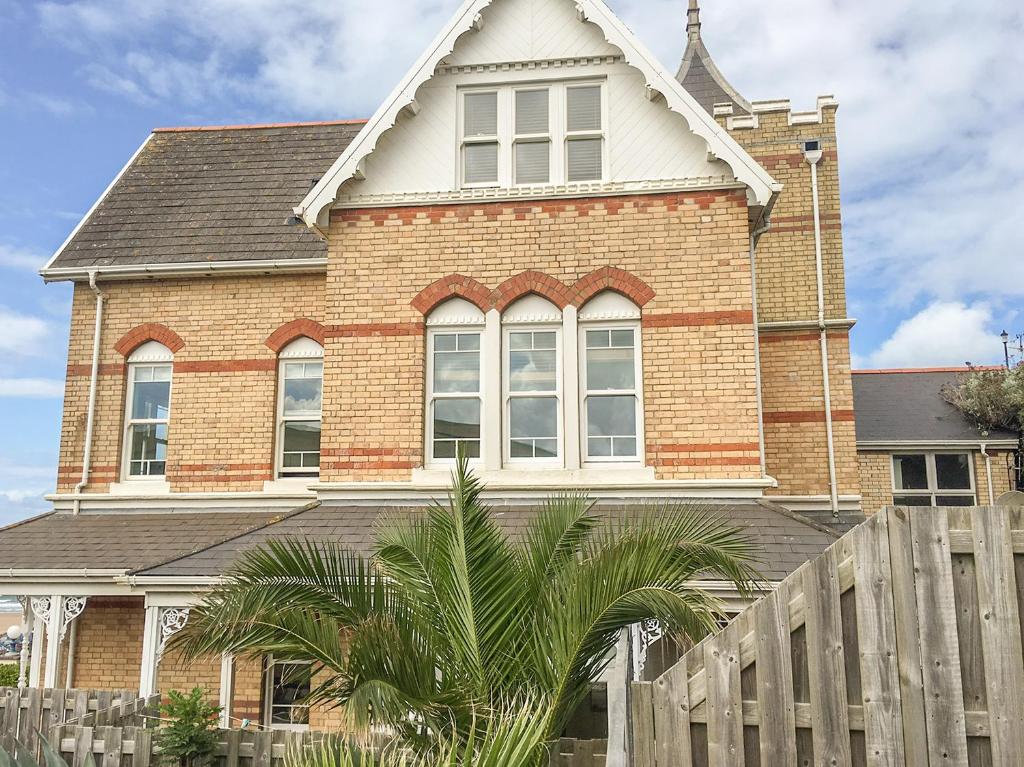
[189,738]
[450,617]
[8,674]
[992,399]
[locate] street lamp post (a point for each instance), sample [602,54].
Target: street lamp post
[1006,347]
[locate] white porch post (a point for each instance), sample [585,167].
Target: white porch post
[36,655]
[150,641]
[26,616]
[618,676]
[227,689]
[53,621]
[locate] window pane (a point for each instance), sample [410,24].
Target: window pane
[533,427]
[301,449]
[584,108]
[147,450]
[446,343]
[953,472]
[533,361]
[457,371]
[469,342]
[481,163]
[598,339]
[585,159]
[912,500]
[532,112]
[610,369]
[303,396]
[611,416]
[533,162]
[910,472]
[954,500]
[456,421]
[151,399]
[481,114]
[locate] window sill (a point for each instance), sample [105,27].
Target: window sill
[140,487]
[290,485]
[539,477]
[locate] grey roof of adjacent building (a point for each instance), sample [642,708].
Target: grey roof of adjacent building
[118,541]
[785,539]
[907,406]
[194,196]
[699,75]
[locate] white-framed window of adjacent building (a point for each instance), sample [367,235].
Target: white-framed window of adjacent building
[533,134]
[611,390]
[933,479]
[455,382]
[532,382]
[300,408]
[287,685]
[148,412]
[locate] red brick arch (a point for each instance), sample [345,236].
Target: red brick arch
[452,286]
[150,331]
[524,283]
[300,328]
[611,278]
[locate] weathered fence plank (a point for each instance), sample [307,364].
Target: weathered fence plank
[775,680]
[642,716]
[724,702]
[672,718]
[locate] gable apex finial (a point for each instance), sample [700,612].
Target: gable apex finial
[693,20]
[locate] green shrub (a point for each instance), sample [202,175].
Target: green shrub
[190,738]
[9,675]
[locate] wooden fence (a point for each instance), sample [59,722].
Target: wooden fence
[579,753]
[901,645]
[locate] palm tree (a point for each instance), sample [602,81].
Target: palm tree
[451,617]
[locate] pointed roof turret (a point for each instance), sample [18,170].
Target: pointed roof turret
[698,73]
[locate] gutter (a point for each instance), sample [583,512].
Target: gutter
[813,157]
[135,271]
[90,417]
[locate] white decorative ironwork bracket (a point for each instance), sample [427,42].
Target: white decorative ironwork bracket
[73,607]
[644,635]
[172,620]
[41,608]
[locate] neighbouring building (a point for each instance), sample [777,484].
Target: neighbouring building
[543,247]
[915,449]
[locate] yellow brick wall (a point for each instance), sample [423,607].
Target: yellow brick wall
[108,646]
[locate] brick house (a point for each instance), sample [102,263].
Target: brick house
[543,247]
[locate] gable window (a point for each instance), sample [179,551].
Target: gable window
[610,380]
[550,133]
[933,479]
[454,381]
[148,411]
[533,381]
[300,408]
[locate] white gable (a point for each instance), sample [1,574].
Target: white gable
[657,136]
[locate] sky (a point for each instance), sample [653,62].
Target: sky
[931,159]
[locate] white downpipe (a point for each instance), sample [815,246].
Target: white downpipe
[757,348]
[93,381]
[813,158]
[988,473]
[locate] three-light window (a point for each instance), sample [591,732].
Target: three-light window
[533,134]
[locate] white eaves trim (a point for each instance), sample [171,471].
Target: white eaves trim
[135,271]
[720,144]
[948,444]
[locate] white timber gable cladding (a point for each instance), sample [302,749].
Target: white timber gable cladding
[655,135]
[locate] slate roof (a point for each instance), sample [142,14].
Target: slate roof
[699,75]
[118,541]
[787,539]
[907,406]
[195,195]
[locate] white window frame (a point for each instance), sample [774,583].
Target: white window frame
[150,355]
[268,695]
[558,134]
[307,354]
[533,138]
[432,396]
[507,395]
[933,490]
[637,392]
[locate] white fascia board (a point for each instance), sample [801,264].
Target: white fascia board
[133,272]
[179,502]
[169,584]
[940,445]
[95,205]
[720,144]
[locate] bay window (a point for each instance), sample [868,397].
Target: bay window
[300,408]
[148,411]
[933,479]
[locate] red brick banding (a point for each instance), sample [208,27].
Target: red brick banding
[611,278]
[105,369]
[528,282]
[150,331]
[452,286]
[709,447]
[290,331]
[366,329]
[224,366]
[781,336]
[697,319]
[806,416]
[720,460]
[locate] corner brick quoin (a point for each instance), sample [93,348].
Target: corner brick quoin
[300,328]
[538,283]
[150,331]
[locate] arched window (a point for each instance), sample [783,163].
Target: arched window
[454,380]
[300,408]
[611,389]
[148,411]
[532,381]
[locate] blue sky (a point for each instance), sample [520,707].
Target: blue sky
[931,160]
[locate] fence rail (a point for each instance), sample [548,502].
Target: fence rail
[901,645]
[579,753]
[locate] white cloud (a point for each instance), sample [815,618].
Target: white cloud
[22,334]
[942,334]
[22,487]
[20,258]
[32,388]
